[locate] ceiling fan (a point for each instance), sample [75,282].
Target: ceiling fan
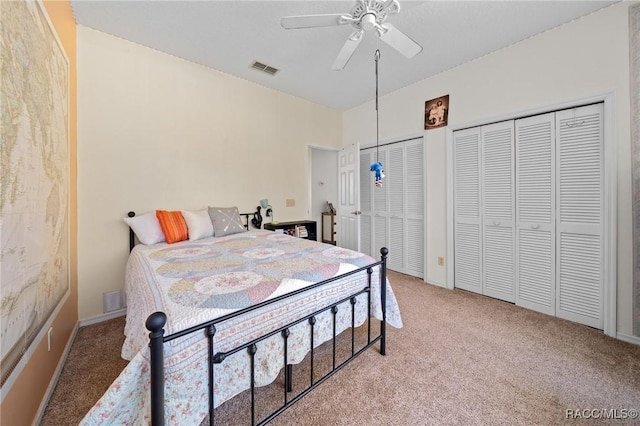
[367,15]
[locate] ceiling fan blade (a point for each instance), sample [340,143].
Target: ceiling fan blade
[311,21]
[347,50]
[399,40]
[391,7]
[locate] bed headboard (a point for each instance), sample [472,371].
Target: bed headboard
[256,221]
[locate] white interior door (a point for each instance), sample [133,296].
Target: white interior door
[535,212]
[348,206]
[467,210]
[498,211]
[580,159]
[393,214]
[395,183]
[366,206]
[415,208]
[562,214]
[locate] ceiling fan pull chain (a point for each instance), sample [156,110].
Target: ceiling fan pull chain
[377,166]
[377,57]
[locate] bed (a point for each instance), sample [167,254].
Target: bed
[236,311]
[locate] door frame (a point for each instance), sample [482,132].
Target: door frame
[610,286]
[310,182]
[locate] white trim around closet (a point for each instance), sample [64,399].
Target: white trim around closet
[610,195]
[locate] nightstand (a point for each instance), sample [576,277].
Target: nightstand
[290,228]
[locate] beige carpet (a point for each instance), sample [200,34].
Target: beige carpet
[460,359]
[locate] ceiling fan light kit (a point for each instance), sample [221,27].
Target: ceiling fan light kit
[366,15]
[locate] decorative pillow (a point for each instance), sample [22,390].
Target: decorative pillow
[146,227]
[173,226]
[199,224]
[226,221]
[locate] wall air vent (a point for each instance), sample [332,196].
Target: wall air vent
[264,68]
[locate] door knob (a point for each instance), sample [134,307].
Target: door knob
[357,212]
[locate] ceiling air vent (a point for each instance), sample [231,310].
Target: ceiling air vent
[264,68]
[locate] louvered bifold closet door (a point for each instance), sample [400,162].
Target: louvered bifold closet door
[580,159]
[380,202]
[535,206]
[498,211]
[467,211]
[414,195]
[366,189]
[395,183]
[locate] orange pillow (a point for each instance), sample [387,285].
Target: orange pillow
[173,226]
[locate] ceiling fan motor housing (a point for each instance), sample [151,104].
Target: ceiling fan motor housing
[365,17]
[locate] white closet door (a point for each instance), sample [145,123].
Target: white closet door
[467,211]
[393,214]
[414,193]
[380,206]
[579,153]
[535,206]
[498,211]
[394,181]
[366,218]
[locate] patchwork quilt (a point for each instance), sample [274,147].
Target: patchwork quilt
[195,281]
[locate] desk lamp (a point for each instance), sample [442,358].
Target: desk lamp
[268,209]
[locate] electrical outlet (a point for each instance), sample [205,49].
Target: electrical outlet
[440,261]
[49,338]
[291,202]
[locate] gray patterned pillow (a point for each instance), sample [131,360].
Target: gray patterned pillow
[226,221]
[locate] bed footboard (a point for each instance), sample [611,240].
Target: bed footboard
[156,321]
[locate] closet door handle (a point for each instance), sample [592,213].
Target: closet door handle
[536,226]
[357,212]
[496,222]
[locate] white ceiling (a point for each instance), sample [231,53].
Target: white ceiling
[229,35]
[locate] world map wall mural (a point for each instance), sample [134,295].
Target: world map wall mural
[34,177]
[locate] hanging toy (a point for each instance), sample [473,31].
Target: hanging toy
[378,170]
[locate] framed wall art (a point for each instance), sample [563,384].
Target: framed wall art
[436,112]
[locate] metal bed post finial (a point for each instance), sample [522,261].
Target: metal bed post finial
[257,218]
[155,324]
[131,234]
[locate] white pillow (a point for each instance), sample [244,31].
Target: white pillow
[199,224]
[146,227]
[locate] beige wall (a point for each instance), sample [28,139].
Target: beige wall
[20,405]
[584,58]
[158,132]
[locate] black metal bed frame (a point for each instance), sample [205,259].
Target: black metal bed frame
[156,321]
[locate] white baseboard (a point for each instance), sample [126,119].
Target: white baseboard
[103,317]
[629,339]
[56,375]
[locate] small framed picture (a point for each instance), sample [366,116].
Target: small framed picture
[436,112]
